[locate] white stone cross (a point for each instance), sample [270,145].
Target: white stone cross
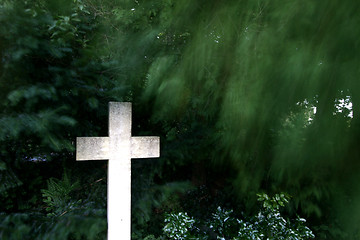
[118,148]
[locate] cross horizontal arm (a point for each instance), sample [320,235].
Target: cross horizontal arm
[145,147]
[92,148]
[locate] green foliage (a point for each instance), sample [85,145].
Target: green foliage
[230,86]
[178,226]
[67,217]
[55,51]
[71,226]
[8,179]
[14,226]
[267,224]
[58,197]
[274,203]
[48,69]
[76,227]
[150,199]
[151,237]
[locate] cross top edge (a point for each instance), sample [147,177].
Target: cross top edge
[120,119]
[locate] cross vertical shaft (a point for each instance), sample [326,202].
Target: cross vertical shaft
[119,172]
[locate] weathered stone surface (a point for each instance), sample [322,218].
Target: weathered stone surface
[145,147]
[118,148]
[92,148]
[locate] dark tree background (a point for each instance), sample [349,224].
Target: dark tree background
[247,96]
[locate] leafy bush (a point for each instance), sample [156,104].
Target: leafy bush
[267,224]
[178,225]
[57,196]
[71,218]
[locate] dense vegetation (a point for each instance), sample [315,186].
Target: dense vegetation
[247,97]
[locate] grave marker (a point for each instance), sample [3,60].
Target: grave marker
[119,147]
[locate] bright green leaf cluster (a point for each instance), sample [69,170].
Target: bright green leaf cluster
[268,224]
